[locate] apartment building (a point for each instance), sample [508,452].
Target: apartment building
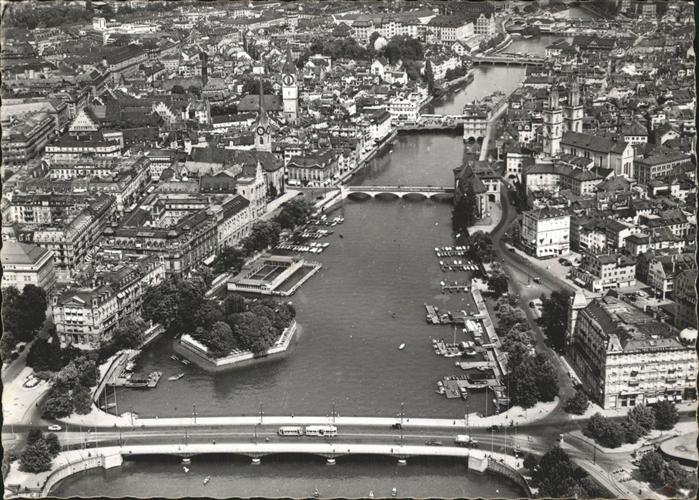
[599,272]
[545,232]
[625,358]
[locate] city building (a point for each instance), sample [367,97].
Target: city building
[85,317]
[24,264]
[600,272]
[626,358]
[616,155]
[545,232]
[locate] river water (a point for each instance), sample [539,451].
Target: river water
[366,301]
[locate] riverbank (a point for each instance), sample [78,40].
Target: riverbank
[198,353]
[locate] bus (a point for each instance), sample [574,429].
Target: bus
[321,430]
[290,431]
[463,440]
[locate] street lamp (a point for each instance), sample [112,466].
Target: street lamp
[334,414]
[261,413]
[131,413]
[194,412]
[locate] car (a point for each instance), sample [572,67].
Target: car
[532,305]
[494,428]
[562,261]
[434,442]
[54,427]
[566,264]
[536,279]
[396,426]
[511,249]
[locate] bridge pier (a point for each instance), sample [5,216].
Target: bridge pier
[186,461]
[402,461]
[256,461]
[330,461]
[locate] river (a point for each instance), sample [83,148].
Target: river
[366,301]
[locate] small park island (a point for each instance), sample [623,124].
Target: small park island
[224,334]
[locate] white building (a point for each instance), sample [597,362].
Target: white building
[24,265]
[546,232]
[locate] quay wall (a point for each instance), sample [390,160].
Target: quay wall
[502,469]
[200,357]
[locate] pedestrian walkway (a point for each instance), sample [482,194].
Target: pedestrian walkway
[273,205]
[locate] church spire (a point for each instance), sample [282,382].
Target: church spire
[262,118]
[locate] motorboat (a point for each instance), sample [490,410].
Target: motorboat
[176,377]
[207,479]
[186,469]
[401,347]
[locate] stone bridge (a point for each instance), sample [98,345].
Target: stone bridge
[424,192]
[508,60]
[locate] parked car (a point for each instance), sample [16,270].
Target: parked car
[562,261]
[494,428]
[396,426]
[532,305]
[54,427]
[536,279]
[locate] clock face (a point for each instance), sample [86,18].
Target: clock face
[288,79]
[260,131]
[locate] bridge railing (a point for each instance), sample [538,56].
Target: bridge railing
[400,189]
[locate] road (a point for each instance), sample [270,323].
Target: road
[520,273]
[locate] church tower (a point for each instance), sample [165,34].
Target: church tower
[574,110]
[263,127]
[553,125]
[290,90]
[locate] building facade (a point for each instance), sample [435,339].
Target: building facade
[546,232]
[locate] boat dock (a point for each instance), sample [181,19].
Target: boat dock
[432,314]
[474,365]
[450,251]
[453,288]
[441,348]
[136,382]
[453,388]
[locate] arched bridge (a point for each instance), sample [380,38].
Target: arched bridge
[508,59]
[443,192]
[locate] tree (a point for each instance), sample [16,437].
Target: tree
[45,355]
[530,462]
[36,458]
[498,284]
[34,435]
[643,416]
[545,377]
[522,384]
[219,339]
[341,30]
[373,37]
[429,76]
[7,344]
[58,405]
[294,213]
[577,405]
[82,400]
[253,332]
[606,432]
[23,313]
[252,86]
[556,476]
[230,259]
[653,468]
[208,313]
[554,318]
[171,302]
[678,478]
[129,334]
[53,444]
[666,415]
[178,89]
[632,431]
[480,247]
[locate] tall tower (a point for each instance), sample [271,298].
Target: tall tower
[573,111]
[262,127]
[290,91]
[553,125]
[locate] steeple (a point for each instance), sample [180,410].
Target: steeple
[289,66]
[262,129]
[262,118]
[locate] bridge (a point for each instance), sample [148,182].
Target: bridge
[432,192]
[508,60]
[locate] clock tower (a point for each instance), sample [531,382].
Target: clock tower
[262,129]
[290,90]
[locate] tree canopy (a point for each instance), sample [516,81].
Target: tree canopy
[556,476]
[23,313]
[666,415]
[554,318]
